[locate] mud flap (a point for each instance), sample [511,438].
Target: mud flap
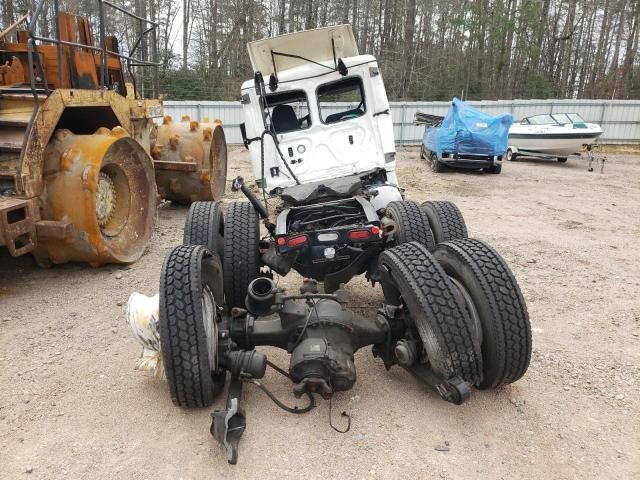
[228,425]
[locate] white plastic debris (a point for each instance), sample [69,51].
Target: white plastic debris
[142,317]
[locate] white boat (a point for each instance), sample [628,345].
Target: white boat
[551,135]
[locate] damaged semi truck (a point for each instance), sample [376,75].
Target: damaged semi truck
[320,135]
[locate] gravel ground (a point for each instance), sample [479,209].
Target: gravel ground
[72,406]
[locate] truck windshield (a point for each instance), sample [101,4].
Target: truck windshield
[341,100]
[288,111]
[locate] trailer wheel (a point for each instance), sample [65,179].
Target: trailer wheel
[190,296]
[412,224]
[446,221]
[434,163]
[412,278]
[495,304]
[511,155]
[205,226]
[241,252]
[562,159]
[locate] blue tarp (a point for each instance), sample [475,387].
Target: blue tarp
[466,130]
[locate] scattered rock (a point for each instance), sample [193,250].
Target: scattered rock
[29,470]
[120,303]
[620,396]
[441,448]
[118,276]
[114,330]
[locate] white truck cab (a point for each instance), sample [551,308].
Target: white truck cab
[325,104]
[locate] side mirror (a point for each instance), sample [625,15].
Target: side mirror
[258,81]
[273,82]
[342,68]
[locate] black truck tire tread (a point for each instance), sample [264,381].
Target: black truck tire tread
[509,326]
[412,224]
[182,333]
[205,226]
[241,252]
[435,309]
[446,220]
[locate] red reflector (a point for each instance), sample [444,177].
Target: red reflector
[297,241]
[359,235]
[281,241]
[375,230]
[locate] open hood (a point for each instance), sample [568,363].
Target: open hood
[314,45]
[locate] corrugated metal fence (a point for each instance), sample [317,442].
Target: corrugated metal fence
[620,119]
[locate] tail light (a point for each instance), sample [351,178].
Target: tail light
[281,241]
[359,235]
[297,241]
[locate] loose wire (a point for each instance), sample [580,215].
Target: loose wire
[343,414]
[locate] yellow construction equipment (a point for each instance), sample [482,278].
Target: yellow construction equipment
[77,180]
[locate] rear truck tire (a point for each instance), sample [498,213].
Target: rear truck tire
[99,198]
[241,252]
[562,159]
[495,304]
[411,224]
[205,226]
[434,163]
[446,221]
[412,277]
[190,293]
[511,155]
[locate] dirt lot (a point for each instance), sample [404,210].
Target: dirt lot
[72,406]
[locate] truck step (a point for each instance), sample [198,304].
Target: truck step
[18,218]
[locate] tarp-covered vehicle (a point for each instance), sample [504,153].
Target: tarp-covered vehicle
[466,138]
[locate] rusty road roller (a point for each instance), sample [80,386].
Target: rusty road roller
[190,159]
[76,176]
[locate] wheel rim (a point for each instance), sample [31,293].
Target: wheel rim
[509,155]
[470,308]
[210,326]
[106,199]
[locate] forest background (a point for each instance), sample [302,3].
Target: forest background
[427,49]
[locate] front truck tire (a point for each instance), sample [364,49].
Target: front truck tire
[190,293]
[241,252]
[446,221]
[205,226]
[412,224]
[413,278]
[497,305]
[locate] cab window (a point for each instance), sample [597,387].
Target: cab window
[288,111]
[347,90]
